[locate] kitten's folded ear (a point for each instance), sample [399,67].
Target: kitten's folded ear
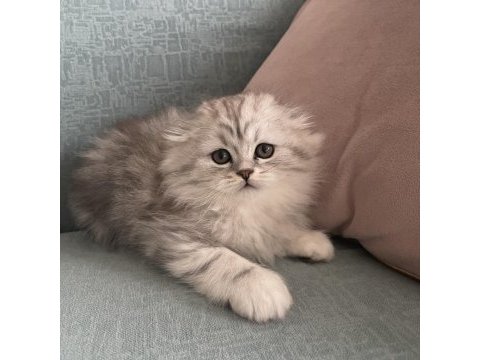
[178,128]
[303,121]
[208,108]
[300,119]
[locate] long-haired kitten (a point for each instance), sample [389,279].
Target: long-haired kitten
[212,195]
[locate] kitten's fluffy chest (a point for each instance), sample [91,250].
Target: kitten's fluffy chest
[249,229]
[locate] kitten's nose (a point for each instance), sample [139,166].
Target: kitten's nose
[245,173]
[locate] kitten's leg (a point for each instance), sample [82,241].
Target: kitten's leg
[312,244]
[224,276]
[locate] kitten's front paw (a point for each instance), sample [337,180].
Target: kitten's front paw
[261,296]
[314,245]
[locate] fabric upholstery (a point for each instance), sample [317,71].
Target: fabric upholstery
[122,58]
[354,65]
[114,305]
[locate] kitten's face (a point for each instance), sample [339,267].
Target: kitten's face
[243,146]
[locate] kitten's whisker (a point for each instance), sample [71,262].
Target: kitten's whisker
[270,168]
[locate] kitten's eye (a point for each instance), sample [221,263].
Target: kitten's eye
[264,151]
[221,156]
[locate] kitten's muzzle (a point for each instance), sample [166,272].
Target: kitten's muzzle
[245,173]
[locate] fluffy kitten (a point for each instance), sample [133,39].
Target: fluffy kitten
[210,195]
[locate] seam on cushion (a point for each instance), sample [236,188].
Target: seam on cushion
[356,117]
[396,268]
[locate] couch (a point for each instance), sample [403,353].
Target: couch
[121,58]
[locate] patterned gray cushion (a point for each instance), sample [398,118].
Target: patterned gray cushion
[122,58]
[114,305]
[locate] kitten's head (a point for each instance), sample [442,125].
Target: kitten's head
[241,147]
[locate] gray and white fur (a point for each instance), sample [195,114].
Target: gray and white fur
[154,184]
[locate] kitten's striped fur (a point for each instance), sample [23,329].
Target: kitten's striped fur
[152,184]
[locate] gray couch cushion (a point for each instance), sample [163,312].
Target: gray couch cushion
[114,305]
[131,58]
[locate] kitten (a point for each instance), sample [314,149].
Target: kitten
[212,195]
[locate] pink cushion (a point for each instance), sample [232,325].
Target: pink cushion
[354,65]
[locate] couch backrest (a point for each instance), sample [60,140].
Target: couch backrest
[122,58]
